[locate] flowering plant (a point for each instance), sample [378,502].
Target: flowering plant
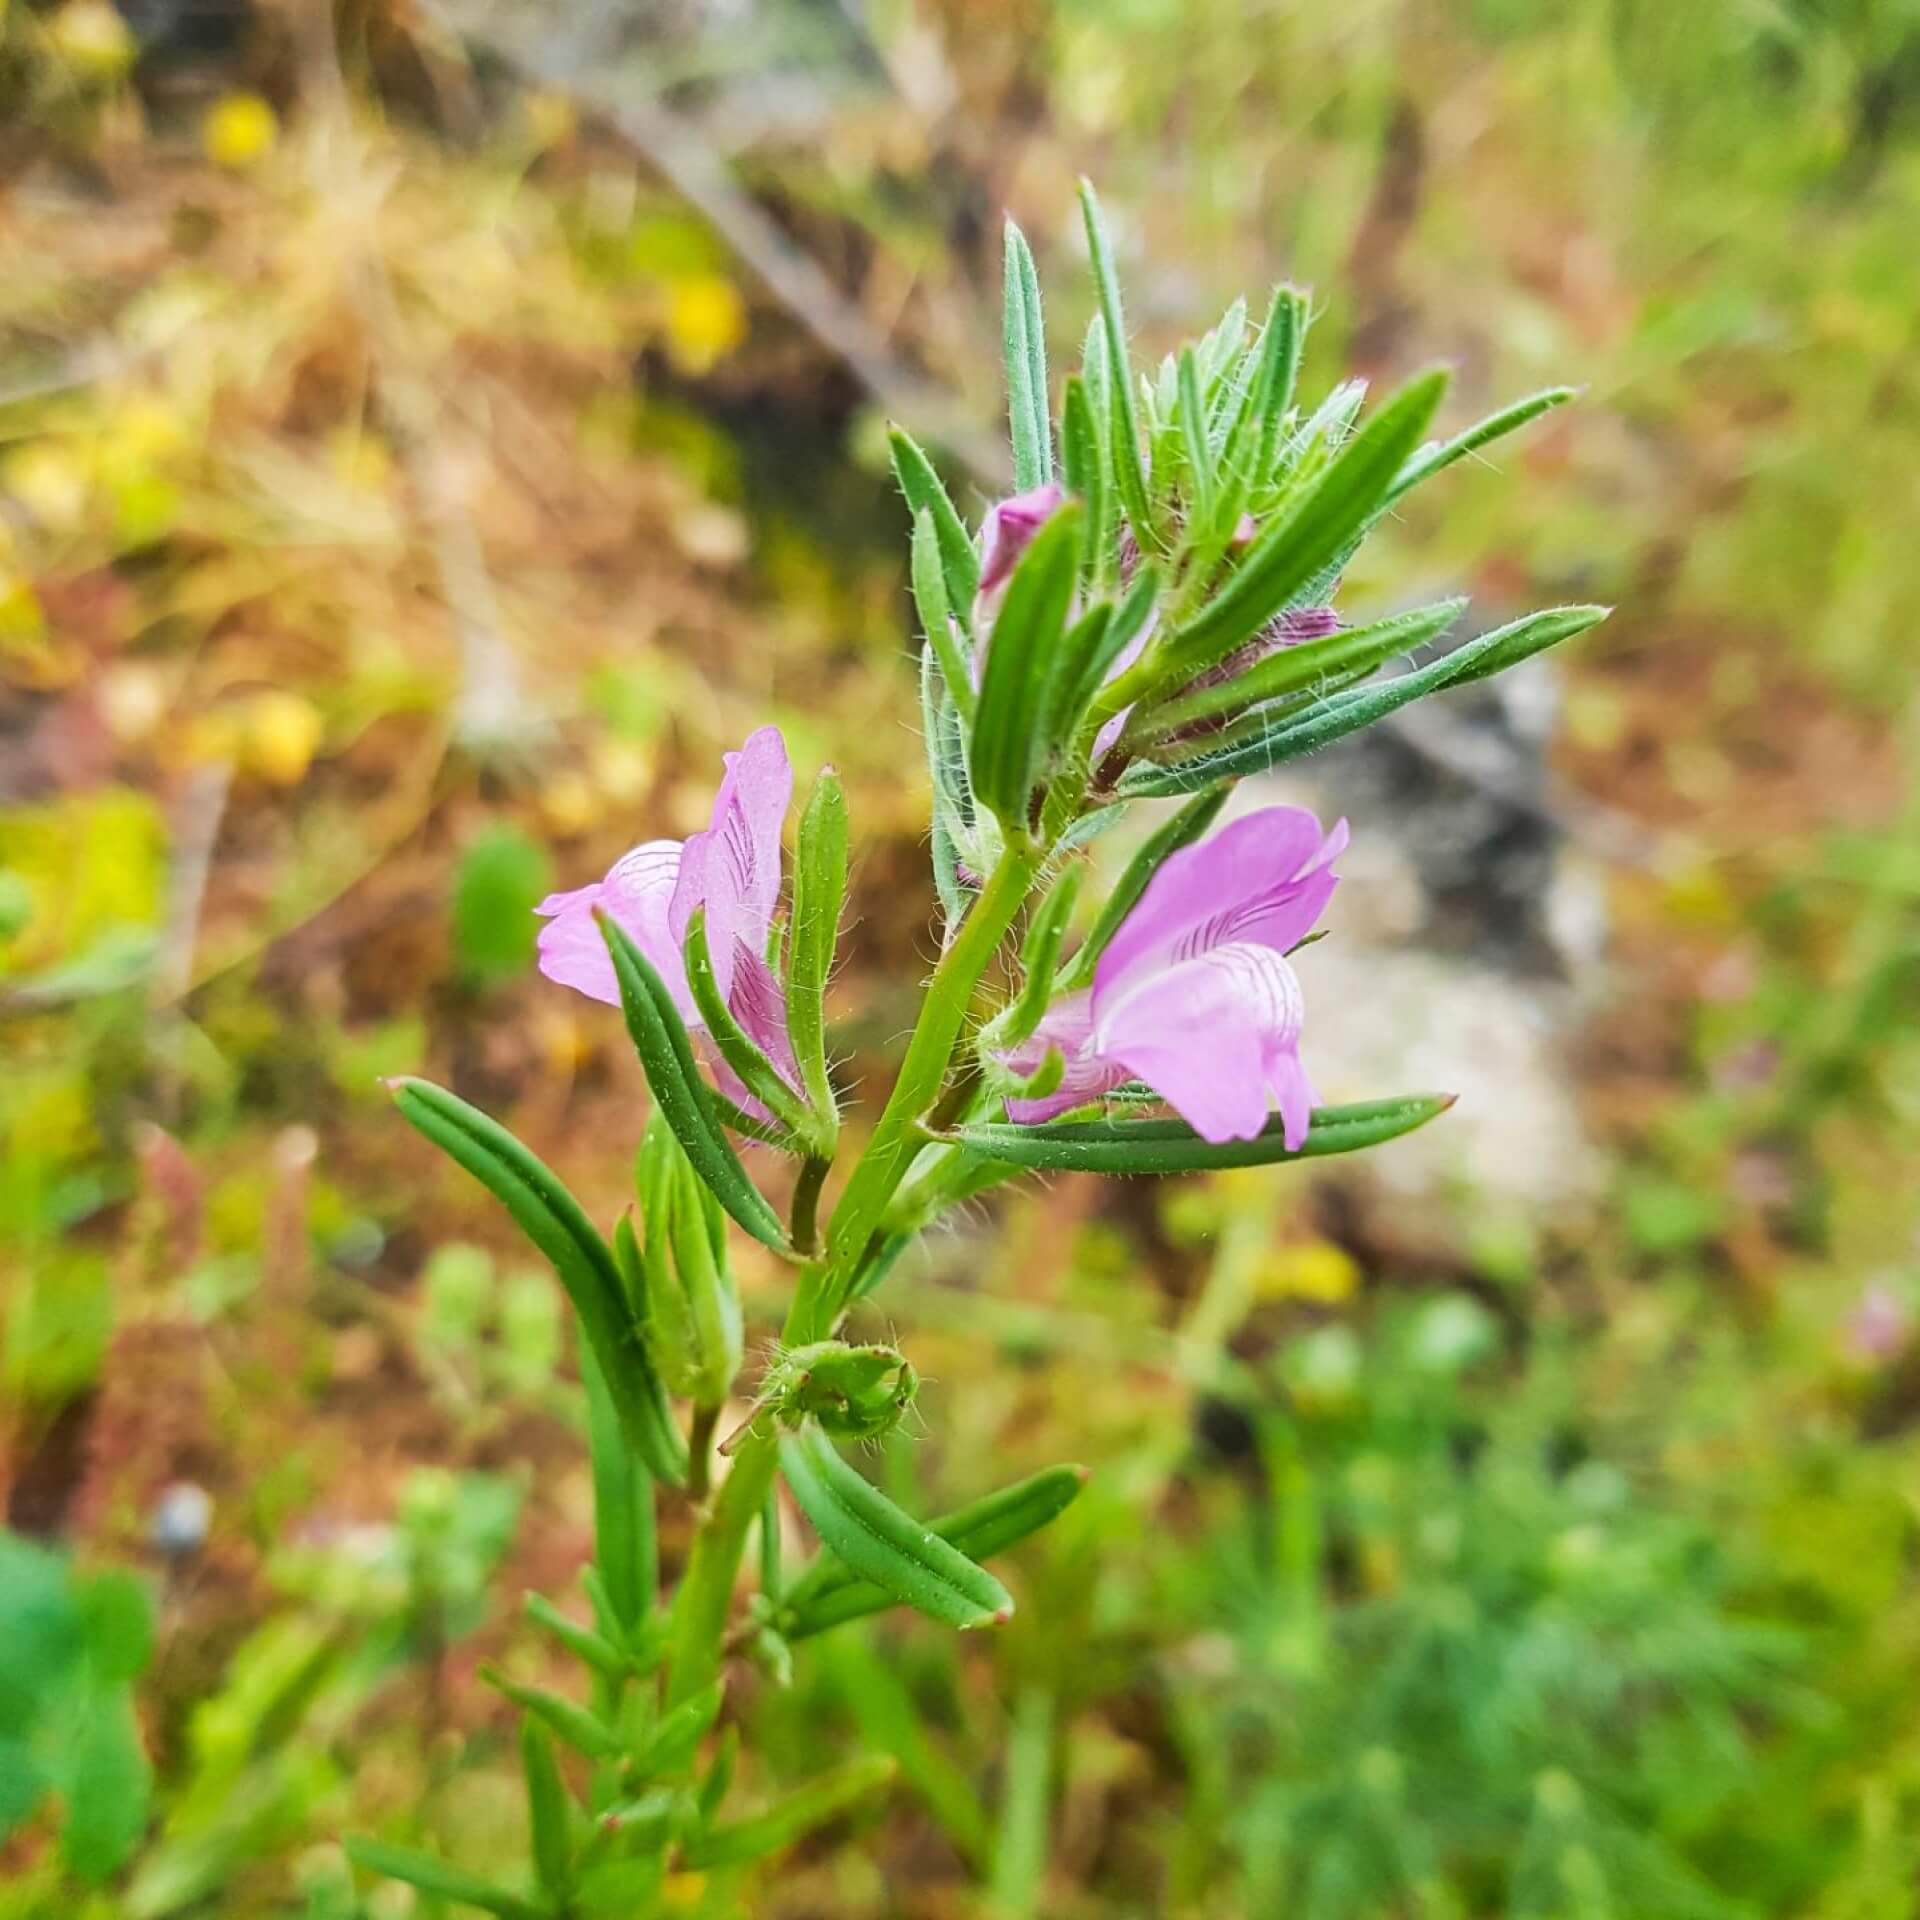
[1149,615]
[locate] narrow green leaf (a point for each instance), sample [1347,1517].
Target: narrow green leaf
[660,1038]
[1169,837]
[819,890]
[930,600]
[867,1531]
[1344,713]
[552,1219]
[1026,349]
[586,1733]
[1020,1841]
[1281,348]
[788,1820]
[675,1741]
[924,491]
[719,1776]
[945,742]
[706,1284]
[1496,426]
[1017,691]
[1171,1146]
[1353,650]
[1193,433]
[593,1649]
[1040,960]
[441,1878]
[1128,479]
[830,1592]
[548,1809]
[1083,459]
[1295,545]
[1108,643]
[623,1532]
[736,1046]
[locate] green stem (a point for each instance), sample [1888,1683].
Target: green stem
[704,1604]
[943,1014]
[803,1227]
[700,1451]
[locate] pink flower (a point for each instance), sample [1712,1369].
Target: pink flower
[733,871]
[1195,995]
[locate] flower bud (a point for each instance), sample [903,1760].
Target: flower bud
[853,1393]
[693,1325]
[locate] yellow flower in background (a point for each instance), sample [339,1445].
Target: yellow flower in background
[239,131]
[281,735]
[1312,1270]
[706,320]
[92,38]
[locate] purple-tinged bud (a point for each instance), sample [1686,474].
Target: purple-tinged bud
[1010,529]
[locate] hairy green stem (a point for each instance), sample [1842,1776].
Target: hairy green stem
[704,1603]
[923,1072]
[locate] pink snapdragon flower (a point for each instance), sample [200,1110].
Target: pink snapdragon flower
[732,869]
[1195,995]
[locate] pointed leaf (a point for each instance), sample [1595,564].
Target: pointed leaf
[1026,348]
[660,1038]
[1017,691]
[819,890]
[553,1220]
[677,1738]
[790,1819]
[924,492]
[1171,1146]
[623,1532]
[586,1733]
[936,615]
[735,1045]
[1351,651]
[896,1552]
[441,1879]
[1345,713]
[1496,426]
[1128,479]
[1297,543]
[830,1592]
[548,1809]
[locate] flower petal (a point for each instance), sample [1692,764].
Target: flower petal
[1217,1037]
[1068,1025]
[759,1003]
[733,868]
[636,892]
[1263,879]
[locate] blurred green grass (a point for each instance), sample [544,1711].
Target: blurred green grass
[349,578]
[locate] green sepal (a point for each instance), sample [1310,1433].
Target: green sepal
[736,1046]
[1343,713]
[1129,482]
[1040,961]
[1169,837]
[549,1809]
[569,1722]
[441,1879]
[924,491]
[830,1593]
[1110,642]
[819,891]
[1026,351]
[1171,1146]
[884,1545]
[1193,435]
[936,615]
[660,1038]
[553,1220]
[1018,689]
[741,1841]
[1083,462]
[1299,542]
